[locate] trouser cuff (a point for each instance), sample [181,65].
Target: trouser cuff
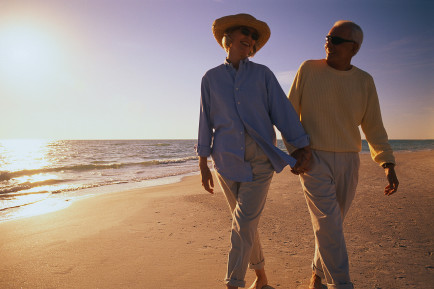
[257,266]
[340,286]
[235,283]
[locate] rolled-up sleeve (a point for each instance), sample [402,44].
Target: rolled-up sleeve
[205,135]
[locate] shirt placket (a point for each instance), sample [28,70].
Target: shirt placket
[238,104]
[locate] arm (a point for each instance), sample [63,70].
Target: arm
[284,117]
[294,96]
[381,152]
[302,155]
[205,138]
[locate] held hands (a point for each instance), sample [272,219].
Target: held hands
[392,187]
[304,160]
[207,181]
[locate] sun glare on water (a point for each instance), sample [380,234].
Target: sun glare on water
[25,155]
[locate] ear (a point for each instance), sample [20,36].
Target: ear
[253,50]
[356,47]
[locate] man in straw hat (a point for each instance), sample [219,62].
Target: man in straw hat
[241,102]
[334,98]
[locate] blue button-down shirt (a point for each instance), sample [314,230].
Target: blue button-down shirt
[250,100]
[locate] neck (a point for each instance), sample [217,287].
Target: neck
[234,60]
[343,66]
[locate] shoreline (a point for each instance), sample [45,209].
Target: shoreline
[56,202]
[177,236]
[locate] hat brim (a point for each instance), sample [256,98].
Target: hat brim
[221,25]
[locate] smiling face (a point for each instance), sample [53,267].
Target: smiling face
[242,44]
[339,55]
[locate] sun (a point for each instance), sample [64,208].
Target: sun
[27,52]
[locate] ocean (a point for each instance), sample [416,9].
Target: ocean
[38,176]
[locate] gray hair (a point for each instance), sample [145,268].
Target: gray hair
[227,41]
[356,31]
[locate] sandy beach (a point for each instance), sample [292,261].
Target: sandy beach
[177,236]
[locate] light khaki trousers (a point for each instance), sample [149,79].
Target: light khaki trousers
[246,201]
[329,189]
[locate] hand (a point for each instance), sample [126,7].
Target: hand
[304,160]
[392,187]
[207,181]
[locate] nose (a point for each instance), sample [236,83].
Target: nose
[328,47]
[328,44]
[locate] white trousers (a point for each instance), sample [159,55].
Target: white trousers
[246,201]
[329,189]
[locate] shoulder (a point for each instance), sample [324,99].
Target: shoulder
[261,71]
[363,74]
[214,71]
[313,64]
[258,66]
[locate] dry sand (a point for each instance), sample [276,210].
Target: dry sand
[177,236]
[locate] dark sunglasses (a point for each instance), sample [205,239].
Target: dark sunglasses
[246,31]
[337,40]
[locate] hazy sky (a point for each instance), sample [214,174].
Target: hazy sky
[130,69]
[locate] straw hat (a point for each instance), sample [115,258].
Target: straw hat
[222,24]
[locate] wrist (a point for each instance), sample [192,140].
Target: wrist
[203,162]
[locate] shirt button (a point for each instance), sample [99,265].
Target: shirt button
[239,102]
[236,88]
[242,148]
[241,132]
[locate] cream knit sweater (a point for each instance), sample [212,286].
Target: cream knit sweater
[332,104]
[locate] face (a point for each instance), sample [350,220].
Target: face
[243,40]
[340,53]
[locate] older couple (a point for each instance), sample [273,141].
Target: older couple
[241,102]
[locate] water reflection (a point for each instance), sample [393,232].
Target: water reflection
[40,207]
[24,187]
[23,154]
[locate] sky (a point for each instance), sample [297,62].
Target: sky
[130,69]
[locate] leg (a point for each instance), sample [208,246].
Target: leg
[246,212]
[261,279]
[331,259]
[346,180]
[246,201]
[257,257]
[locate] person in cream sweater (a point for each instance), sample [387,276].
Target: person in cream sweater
[333,98]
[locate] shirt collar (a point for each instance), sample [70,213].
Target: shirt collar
[242,62]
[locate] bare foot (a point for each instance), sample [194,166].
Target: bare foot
[261,280]
[259,283]
[315,282]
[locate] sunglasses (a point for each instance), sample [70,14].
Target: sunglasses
[246,31]
[337,40]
